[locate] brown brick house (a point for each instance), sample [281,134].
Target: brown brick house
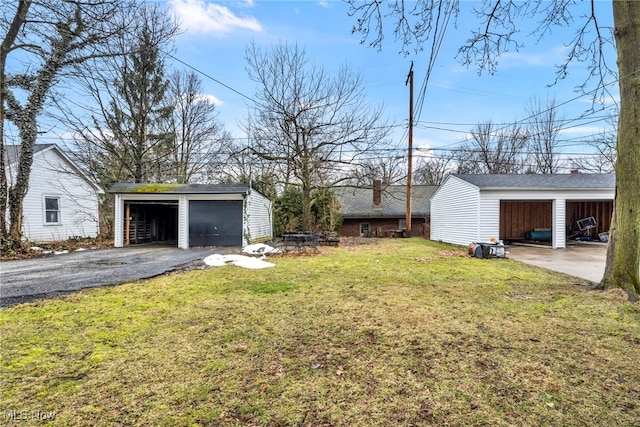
[380,210]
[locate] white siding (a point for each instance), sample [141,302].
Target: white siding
[455,212]
[489,216]
[118,222]
[559,239]
[258,225]
[257,214]
[183,222]
[461,213]
[53,176]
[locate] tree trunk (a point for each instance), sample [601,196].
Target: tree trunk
[25,118]
[6,47]
[623,257]
[307,220]
[27,129]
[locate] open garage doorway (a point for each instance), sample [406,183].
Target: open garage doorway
[522,220]
[596,213]
[151,222]
[532,221]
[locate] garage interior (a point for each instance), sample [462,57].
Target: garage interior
[151,222]
[522,221]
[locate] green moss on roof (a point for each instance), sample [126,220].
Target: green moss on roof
[154,188]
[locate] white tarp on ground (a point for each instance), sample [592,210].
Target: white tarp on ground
[239,260]
[245,261]
[260,248]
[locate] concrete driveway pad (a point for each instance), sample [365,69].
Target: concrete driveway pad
[30,279]
[583,260]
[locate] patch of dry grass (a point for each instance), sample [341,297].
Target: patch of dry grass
[400,332]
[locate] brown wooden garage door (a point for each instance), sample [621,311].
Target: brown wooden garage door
[518,216]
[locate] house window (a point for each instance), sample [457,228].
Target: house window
[52,210]
[402,224]
[365,229]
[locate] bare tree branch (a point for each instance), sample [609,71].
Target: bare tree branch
[306,119]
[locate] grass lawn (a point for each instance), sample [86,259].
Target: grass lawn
[395,332]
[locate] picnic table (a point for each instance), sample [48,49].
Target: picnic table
[328,238]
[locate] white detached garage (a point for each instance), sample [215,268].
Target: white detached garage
[190,215]
[474,208]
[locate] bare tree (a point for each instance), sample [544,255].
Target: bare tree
[497,33]
[11,24]
[240,165]
[52,36]
[433,170]
[491,150]
[543,128]
[604,160]
[307,120]
[390,170]
[199,136]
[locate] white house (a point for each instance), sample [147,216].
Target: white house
[190,215]
[62,202]
[475,208]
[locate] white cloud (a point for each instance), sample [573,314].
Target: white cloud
[423,149]
[206,97]
[583,130]
[210,18]
[324,4]
[210,99]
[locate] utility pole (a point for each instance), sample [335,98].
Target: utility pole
[410,156]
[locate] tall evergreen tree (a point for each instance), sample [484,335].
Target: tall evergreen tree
[140,108]
[128,139]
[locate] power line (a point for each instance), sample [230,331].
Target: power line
[438,37]
[211,77]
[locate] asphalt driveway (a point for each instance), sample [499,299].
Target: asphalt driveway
[583,260]
[31,279]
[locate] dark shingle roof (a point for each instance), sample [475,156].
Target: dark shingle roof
[12,152]
[540,181]
[147,188]
[358,202]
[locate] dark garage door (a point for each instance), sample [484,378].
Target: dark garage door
[215,223]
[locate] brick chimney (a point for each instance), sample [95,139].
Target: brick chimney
[377,193]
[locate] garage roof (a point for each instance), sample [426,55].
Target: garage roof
[129,188]
[574,181]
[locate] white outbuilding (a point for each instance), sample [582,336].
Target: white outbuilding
[190,215]
[474,208]
[62,202]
